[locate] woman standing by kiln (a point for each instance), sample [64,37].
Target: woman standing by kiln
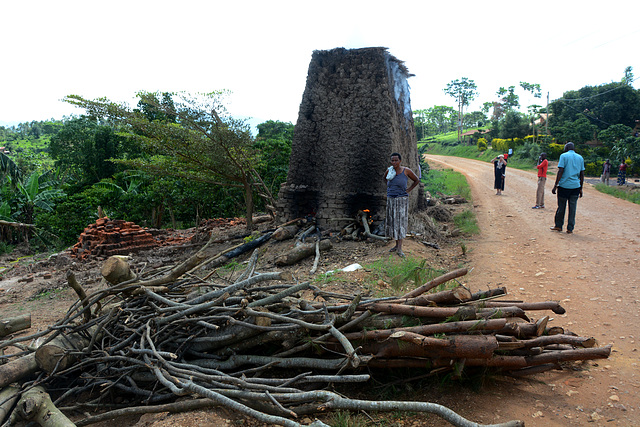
[397,219]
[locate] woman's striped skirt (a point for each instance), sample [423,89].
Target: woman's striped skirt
[397,219]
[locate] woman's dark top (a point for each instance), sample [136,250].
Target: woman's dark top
[397,187]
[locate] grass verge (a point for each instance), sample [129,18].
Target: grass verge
[623,192]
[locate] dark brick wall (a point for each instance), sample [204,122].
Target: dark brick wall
[355,112]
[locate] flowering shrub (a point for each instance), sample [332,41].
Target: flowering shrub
[482,144]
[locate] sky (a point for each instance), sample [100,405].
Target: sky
[260,50]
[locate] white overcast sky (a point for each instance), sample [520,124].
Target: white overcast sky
[260,50]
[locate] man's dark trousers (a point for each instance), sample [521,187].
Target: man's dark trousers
[570,196]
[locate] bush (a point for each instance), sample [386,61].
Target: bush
[482,144]
[554,150]
[593,168]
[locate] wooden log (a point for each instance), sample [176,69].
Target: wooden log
[8,396]
[548,340]
[489,293]
[36,405]
[448,297]
[116,270]
[301,252]
[517,362]
[17,369]
[14,324]
[530,330]
[415,311]
[439,328]
[496,361]
[82,295]
[459,313]
[435,282]
[407,344]
[544,305]
[286,232]
[56,355]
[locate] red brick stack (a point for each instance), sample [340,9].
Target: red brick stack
[112,237]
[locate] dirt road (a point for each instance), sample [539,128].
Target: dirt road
[595,274]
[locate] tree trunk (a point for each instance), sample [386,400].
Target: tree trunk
[248,199]
[116,270]
[13,324]
[285,232]
[17,369]
[301,252]
[408,344]
[56,354]
[439,328]
[8,397]
[36,405]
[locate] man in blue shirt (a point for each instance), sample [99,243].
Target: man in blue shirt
[569,186]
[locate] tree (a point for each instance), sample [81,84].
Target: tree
[628,76]
[85,147]
[204,144]
[613,134]
[273,145]
[37,191]
[464,91]
[475,118]
[627,148]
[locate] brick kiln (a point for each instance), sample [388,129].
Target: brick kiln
[355,112]
[108,237]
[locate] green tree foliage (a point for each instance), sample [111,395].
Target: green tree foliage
[273,144]
[513,125]
[435,120]
[85,147]
[613,134]
[464,90]
[508,98]
[602,106]
[627,149]
[474,119]
[204,144]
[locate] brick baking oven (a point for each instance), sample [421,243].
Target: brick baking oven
[355,112]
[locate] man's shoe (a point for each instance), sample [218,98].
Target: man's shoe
[556,229]
[535,207]
[569,231]
[541,207]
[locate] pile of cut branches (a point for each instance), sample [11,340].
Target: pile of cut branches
[267,347]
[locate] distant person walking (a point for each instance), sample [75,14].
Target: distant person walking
[568,184]
[543,165]
[606,172]
[622,173]
[499,169]
[397,218]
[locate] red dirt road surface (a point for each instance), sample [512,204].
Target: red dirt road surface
[594,273]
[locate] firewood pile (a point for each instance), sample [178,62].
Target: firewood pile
[267,346]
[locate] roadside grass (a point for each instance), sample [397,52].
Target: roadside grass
[623,192]
[467,223]
[449,182]
[446,181]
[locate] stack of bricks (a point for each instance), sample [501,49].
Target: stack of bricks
[112,237]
